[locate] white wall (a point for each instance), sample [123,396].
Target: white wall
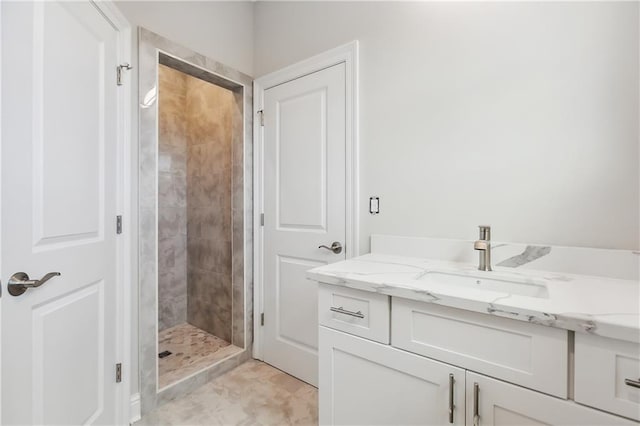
[220,30]
[523,116]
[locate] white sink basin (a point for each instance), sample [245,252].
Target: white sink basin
[491,281]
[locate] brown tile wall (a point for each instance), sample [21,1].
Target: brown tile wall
[195,204]
[172,198]
[209,301]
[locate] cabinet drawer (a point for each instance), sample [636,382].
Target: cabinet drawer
[361,313]
[530,355]
[601,367]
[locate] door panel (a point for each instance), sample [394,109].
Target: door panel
[295,301]
[59,140]
[67,200]
[59,360]
[302,162]
[304,207]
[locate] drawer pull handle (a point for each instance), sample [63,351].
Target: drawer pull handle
[476,410]
[343,311]
[632,383]
[451,405]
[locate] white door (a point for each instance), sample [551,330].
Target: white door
[496,403]
[304,208]
[367,383]
[59,136]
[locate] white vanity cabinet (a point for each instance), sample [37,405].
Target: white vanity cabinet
[608,375]
[367,383]
[497,403]
[515,351]
[361,313]
[449,366]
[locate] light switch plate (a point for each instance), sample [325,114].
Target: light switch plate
[374,205]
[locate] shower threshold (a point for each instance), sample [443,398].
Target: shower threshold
[192,350]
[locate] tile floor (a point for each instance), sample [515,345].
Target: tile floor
[252,394]
[192,350]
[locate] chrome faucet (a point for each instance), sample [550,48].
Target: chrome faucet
[483,245]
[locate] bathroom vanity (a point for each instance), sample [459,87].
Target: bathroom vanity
[407,340]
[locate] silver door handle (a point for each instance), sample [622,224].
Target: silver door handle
[20,282]
[336,247]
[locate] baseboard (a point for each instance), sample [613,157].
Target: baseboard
[134,408]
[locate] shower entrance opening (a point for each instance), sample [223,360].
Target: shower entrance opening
[197,121]
[195,189]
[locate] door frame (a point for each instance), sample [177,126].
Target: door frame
[347,54]
[125,170]
[126,243]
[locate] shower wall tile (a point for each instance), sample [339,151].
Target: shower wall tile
[205,190]
[172,222]
[172,198]
[244,214]
[209,255]
[238,212]
[208,296]
[196,134]
[147,230]
[172,191]
[207,221]
[155,50]
[209,304]
[172,159]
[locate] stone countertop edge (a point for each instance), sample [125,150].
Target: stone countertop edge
[606,307]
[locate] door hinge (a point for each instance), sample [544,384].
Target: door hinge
[261,112]
[119,70]
[118,224]
[261,219]
[118,372]
[262,318]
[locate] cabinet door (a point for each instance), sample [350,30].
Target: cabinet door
[603,367]
[503,404]
[367,383]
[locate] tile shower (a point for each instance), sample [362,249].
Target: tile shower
[195,287]
[179,290]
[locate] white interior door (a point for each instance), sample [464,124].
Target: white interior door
[59,137]
[304,207]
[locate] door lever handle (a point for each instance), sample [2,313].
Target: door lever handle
[20,282]
[336,247]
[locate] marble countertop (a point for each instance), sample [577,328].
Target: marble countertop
[606,307]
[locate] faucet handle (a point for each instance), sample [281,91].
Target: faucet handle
[485,232]
[481,245]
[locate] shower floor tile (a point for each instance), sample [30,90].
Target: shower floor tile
[192,350]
